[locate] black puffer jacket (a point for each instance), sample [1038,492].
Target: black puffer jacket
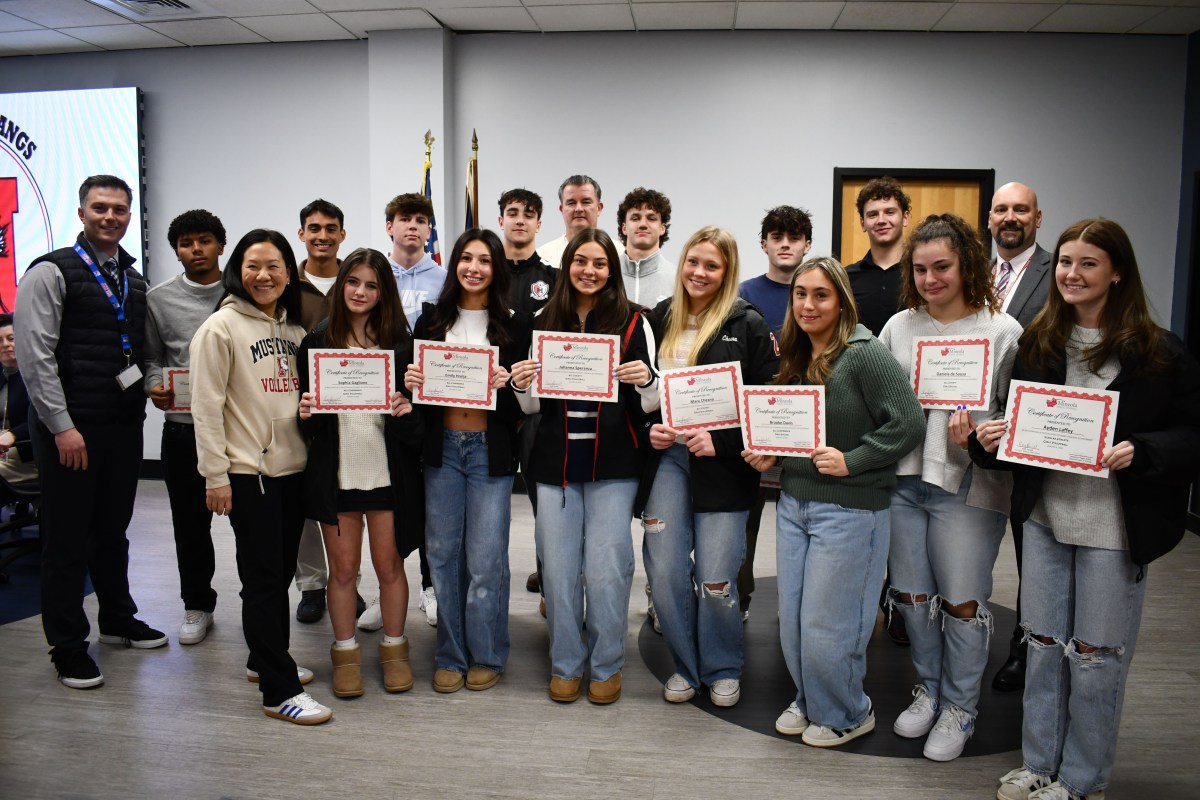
[724,482]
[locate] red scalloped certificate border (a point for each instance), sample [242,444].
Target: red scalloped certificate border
[816,393]
[1022,390]
[569,339]
[733,368]
[171,373]
[318,355]
[933,341]
[457,402]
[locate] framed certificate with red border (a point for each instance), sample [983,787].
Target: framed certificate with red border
[949,372]
[457,375]
[783,420]
[702,398]
[1059,427]
[179,383]
[351,381]
[576,366]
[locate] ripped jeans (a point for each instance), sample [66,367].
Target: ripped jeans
[944,550]
[1076,595]
[696,599]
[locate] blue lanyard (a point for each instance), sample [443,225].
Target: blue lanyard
[126,347]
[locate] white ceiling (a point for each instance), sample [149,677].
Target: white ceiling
[31,27]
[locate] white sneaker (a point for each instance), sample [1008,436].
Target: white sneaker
[428,604]
[725,692]
[650,612]
[305,675]
[372,618]
[1056,791]
[678,690]
[949,735]
[301,709]
[918,718]
[1020,783]
[792,722]
[824,736]
[195,626]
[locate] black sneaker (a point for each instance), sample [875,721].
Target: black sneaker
[77,670]
[135,633]
[360,606]
[311,607]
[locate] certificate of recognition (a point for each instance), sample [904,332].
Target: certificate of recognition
[458,375]
[1059,427]
[351,381]
[179,381]
[783,420]
[949,372]
[702,398]
[576,366]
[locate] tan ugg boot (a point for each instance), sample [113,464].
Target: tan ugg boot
[397,672]
[347,671]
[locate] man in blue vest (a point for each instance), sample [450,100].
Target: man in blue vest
[80,320]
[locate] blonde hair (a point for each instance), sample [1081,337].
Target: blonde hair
[712,317]
[796,357]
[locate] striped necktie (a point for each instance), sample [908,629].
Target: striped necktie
[1003,280]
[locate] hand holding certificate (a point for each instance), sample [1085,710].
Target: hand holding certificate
[783,420]
[949,372]
[702,398]
[455,375]
[179,384]
[576,366]
[1059,427]
[351,381]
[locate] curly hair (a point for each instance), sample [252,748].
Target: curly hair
[973,262]
[195,221]
[656,201]
[883,188]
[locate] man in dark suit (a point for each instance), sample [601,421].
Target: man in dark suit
[1021,271]
[1021,276]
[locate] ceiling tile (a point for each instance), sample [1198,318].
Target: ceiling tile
[199,32]
[364,5]
[1093,18]
[41,41]
[770,16]
[684,16]
[361,23]
[897,16]
[10,23]
[261,8]
[993,17]
[62,13]
[486,19]
[123,37]
[1173,20]
[608,17]
[296,28]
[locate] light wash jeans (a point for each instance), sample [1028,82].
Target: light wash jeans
[696,600]
[944,549]
[585,546]
[1073,700]
[830,562]
[466,539]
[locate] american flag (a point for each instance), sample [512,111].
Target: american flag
[431,246]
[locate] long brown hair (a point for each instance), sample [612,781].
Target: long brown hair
[973,262]
[1127,329]
[612,305]
[712,317]
[385,322]
[445,312]
[795,349]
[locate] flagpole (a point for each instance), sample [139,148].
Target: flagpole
[475,175]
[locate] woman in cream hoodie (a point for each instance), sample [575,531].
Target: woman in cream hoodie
[245,392]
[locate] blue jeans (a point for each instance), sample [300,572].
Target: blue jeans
[945,550]
[585,546]
[466,538]
[830,562]
[1076,595]
[696,599]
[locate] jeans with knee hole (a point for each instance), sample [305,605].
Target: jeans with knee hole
[944,549]
[466,537]
[830,563]
[585,546]
[1074,594]
[702,625]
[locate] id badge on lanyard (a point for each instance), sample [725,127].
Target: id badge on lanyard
[132,374]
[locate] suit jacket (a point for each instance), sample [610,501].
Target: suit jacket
[1030,294]
[18,413]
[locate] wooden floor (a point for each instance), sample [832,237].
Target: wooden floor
[182,722]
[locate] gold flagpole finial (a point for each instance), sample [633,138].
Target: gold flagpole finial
[474,141]
[429,140]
